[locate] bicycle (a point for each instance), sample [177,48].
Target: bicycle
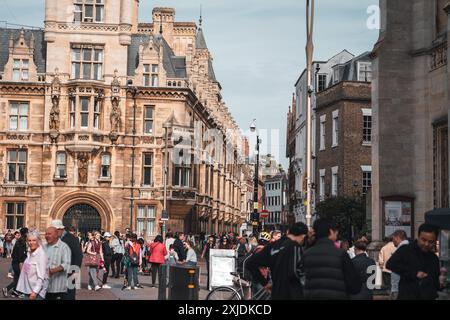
[237,292]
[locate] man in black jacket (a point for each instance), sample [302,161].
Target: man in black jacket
[418,266]
[283,258]
[76,256]
[329,272]
[18,255]
[365,267]
[178,246]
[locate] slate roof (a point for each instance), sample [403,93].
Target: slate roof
[39,52]
[175,66]
[200,42]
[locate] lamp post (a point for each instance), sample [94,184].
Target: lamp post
[165,214]
[255,215]
[309,56]
[133,90]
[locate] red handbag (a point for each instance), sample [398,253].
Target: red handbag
[91,260]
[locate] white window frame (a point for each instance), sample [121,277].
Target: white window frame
[95,65]
[334,181]
[106,164]
[335,133]
[336,74]
[151,75]
[147,167]
[95,4]
[97,114]
[72,113]
[17,163]
[323,119]
[366,169]
[19,116]
[322,184]
[21,71]
[61,164]
[366,71]
[367,113]
[318,82]
[83,112]
[148,119]
[146,215]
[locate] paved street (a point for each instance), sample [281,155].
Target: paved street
[115,293]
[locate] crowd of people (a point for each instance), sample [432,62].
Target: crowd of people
[49,269]
[299,264]
[313,264]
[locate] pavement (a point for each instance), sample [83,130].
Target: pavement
[116,292]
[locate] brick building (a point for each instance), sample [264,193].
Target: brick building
[343,135]
[85,104]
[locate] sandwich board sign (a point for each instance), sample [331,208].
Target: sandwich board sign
[221,263]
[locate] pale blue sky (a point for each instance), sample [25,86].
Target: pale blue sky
[258,46]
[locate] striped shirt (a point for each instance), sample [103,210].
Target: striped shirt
[58,254]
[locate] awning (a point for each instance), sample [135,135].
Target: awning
[439,218]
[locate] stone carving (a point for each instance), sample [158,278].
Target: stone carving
[82,162]
[439,57]
[54,112]
[116,114]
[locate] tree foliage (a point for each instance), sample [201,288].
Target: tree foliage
[348,213]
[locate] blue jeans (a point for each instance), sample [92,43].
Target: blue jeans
[93,282]
[133,276]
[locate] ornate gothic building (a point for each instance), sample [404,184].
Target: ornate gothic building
[85,105]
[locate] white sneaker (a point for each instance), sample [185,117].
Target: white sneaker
[128,288]
[105,286]
[89,287]
[138,288]
[97,288]
[10,275]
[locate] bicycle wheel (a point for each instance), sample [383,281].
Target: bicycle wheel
[223,293]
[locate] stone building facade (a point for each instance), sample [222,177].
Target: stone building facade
[344,132]
[410,95]
[86,103]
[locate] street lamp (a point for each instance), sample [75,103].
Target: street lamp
[165,214]
[255,215]
[133,90]
[309,57]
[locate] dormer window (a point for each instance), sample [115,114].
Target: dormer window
[21,70]
[88,10]
[365,71]
[336,75]
[151,78]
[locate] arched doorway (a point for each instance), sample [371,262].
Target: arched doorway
[84,217]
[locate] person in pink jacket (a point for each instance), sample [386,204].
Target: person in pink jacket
[158,253]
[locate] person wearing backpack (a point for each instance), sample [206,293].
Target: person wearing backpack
[134,255]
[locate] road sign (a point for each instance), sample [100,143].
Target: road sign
[165,215]
[264,214]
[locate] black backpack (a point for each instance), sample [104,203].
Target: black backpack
[134,258]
